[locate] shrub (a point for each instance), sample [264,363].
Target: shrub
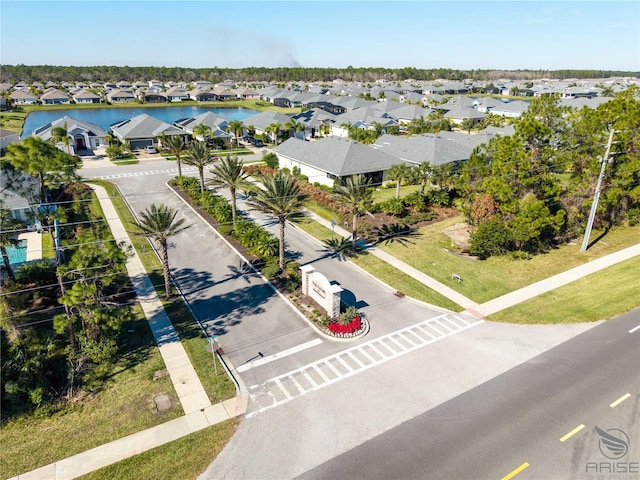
[420,217]
[491,238]
[439,197]
[271,268]
[634,216]
[393,206]
[271,160]
[351,327]
[417,201]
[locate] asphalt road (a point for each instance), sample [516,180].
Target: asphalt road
[234,303]
[519,418]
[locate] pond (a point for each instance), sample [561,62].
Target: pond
[104,117]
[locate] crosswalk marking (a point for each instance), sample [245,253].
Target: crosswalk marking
[171,171]
[354,360]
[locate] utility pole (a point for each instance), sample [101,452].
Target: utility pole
[605,160]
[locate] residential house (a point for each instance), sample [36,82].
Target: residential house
[363,118]
[121,96]
[177,95]
[20,97]
[84,96]
[143,131]
[247,94]
[262,120]
[153,97]
[83,136]
[54,97]
[201,95]
[434,148]
[511,109]
[216,123]
[458,114]
[7,137]
[202,84]
[316,122]
[328,159]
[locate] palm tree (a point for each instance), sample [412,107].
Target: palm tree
[423,174]
[199,156]
[159,223]
[294,126]
[202,130]
[61,134]
[229,173]
[175,146]
[109,139]
[355,193]
[398,173]
[281,197]
[273,129]
[236,127]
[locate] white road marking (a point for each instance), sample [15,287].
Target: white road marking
[170,171]
[326,369]
[279,355]
[634,329]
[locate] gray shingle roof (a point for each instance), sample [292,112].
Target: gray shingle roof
[44,132]
[437,149]
[338,156]
[144,126]
[263,119]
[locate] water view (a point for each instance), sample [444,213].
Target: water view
[104,117]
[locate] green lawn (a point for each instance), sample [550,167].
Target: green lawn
[488,279]
[386,193]
[599,296]
[185,458]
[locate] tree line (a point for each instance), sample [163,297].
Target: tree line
[106,73]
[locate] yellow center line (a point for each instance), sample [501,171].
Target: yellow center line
[516,471]
[620,400]
[571,433]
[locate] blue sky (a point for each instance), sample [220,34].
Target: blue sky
[602,35]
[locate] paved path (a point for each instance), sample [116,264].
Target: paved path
[551,283]
[188,387]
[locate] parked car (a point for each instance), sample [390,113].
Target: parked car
[150,149]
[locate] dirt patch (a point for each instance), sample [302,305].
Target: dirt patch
[460,236]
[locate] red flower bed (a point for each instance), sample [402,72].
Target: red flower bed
[352,327]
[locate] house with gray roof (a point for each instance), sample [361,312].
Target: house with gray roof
[120,96]
[511,109]
[20,97]
[216,123]
[84,137]
[458,114]
[84,96]
[144,131]
[54,97]
[315,120]
[7,137]
[262,120]
[328,159]
[434,148]
[363,118]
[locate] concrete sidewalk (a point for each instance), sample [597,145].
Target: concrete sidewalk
[551,283]
[134,444]
[188,387]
